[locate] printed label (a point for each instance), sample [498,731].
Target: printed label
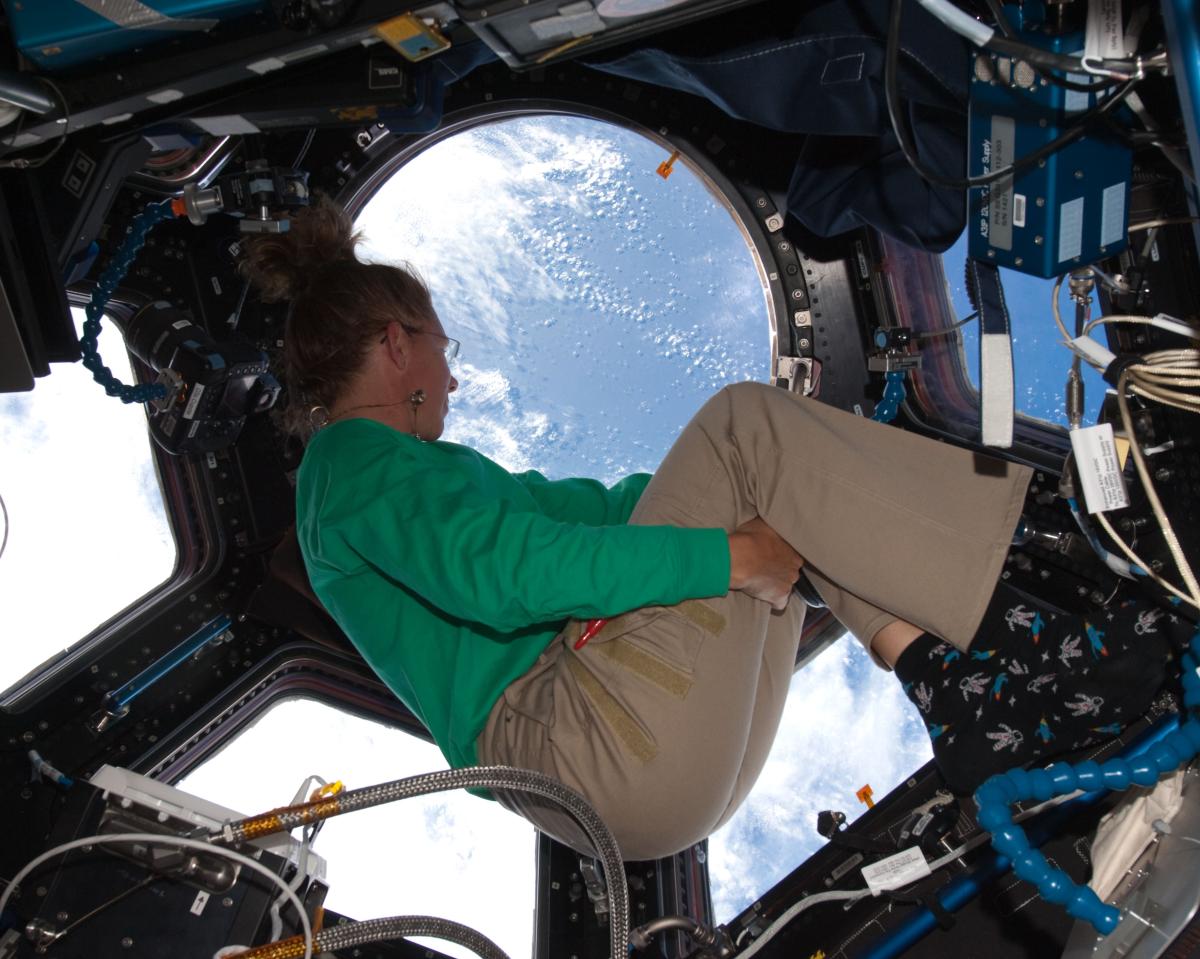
[842,868]
[1105,36]
[1099,468]
[1112,214]
[1000,195]
[906,866]
[1070,230]
[193,401]
[199,903]
[1018,209]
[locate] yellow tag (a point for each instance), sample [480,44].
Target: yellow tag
[329,789]
[1122,445]
[411,37]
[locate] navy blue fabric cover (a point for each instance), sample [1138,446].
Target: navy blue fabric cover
[821,73]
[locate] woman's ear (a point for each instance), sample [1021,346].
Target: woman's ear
[398,344]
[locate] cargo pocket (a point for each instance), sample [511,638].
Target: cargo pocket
[660,644]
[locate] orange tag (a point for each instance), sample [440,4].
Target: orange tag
[667,167]
[864,796]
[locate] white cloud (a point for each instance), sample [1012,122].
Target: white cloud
[84,508]
[847,724]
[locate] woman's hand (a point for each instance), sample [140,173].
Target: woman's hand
[762,564]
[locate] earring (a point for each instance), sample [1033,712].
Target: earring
[415,399]
[318,417]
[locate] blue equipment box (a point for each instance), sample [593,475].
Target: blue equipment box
[60,34]
[1069,209]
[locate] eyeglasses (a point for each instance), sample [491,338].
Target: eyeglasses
[451,348]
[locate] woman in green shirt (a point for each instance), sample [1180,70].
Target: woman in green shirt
[470,590]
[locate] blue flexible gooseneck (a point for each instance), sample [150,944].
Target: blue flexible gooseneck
[893,395]
[112,275]
[997,794]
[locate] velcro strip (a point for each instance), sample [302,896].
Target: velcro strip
[702,615]
[641,663]
[617,717]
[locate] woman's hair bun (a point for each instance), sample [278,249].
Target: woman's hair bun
[283,265]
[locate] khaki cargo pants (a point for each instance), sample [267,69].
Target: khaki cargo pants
[665,719]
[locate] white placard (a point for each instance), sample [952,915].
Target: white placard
[906,866]
[1105,36]
[1099,468]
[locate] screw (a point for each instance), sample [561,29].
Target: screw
[40,891]
[227,901]
[797,294]
[127,942]
[1019,261]
[784,246]
[1038,241]
[363,139]
[761,202]
[62,915]
[1039,201]
[804,344]
[1078,174]
[991,254]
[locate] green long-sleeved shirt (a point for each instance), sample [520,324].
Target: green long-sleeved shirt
[451,575]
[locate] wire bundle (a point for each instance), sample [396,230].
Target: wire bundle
[1170,377]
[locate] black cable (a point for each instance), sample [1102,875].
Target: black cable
[933,334]
[908,148]
[1006,29]
[1002,24]
[1020,50]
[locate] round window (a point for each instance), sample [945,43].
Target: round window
[599,301]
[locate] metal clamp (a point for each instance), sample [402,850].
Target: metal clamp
[796,372]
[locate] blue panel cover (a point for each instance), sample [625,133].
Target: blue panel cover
[60,34]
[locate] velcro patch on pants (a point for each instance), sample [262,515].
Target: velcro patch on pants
[641,663]
[616,715]
[702,615]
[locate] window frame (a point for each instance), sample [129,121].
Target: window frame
[942,400]
[187,504]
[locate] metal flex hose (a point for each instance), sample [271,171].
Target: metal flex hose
[484,777]
[352,934]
